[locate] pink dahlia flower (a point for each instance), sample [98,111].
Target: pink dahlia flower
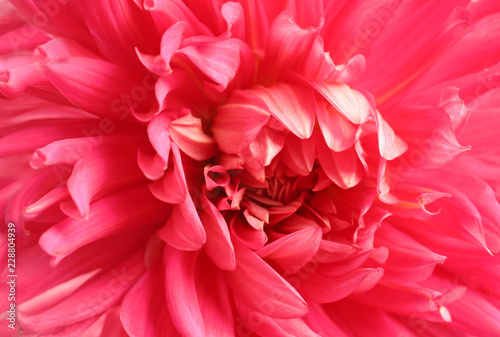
[250,168]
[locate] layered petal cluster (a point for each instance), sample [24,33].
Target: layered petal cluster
[251,168]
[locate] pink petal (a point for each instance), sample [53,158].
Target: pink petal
[292,105]
[165,14]
[369,19]
[66,151]
[287,46]
[350,103]
[109,24]
[93,171]
[144,310]
[299,154]
[32,137]
[409,260]
[234,16]
[218,246]
[310,15]
[269,326]
[391,146]
[439,25]
[184,229]
[263,149]
[320,323]
[321,289]
[109,85]
[172,189]
[85,302]
[247,235]
[216,176]
[68,235]
[187,133]
[293,251]
[158,134]
[262,289]
[343,168]
[338,132]
[218,59]
[238,122]
[153,167]
[170,43]
[215,299]
[180,290]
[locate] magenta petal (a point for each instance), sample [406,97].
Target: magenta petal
[261,288]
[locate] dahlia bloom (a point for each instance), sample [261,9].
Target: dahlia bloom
[251,168]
